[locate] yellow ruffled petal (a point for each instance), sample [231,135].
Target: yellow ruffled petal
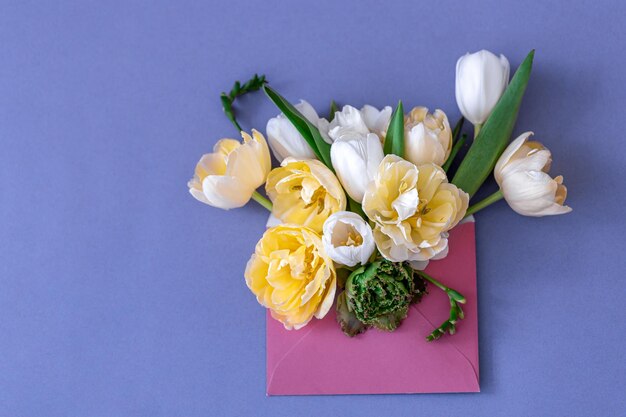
[291,275]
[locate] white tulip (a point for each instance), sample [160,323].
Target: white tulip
[521,173]
[348,239]
[427,137]
[228,177]
[286,141]
[481,78]
[355,158]
[377,121]
[367,120]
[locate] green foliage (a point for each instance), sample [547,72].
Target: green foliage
[238,90]
[308,131]
[394,140]
[333,110]
[456,312]
[458,143]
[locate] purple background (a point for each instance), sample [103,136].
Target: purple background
[122,296]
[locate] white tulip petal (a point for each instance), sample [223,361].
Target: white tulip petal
[355,159]
[226,192]
[377,121]
[285,140]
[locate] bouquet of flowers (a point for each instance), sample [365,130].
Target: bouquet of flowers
[363,200]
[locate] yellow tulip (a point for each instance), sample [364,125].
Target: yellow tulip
[227,177]
[291,275]
[413,208]
[304,192]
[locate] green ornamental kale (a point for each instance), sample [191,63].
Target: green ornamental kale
[379,294]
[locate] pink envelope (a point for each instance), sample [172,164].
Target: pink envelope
[320,360]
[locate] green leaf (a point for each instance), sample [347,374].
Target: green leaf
[495,134]
[350,325]
[308,131]
[333,110]
[394,140]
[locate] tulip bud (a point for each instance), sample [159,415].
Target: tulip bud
[348,239]
[521,173]
[227,177]
[285,140]
[481,78]
[355,158]
[427,137]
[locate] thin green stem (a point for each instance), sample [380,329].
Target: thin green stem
[262,200]
[455,150]
[238,90]
[453,294]
[236,124]
[497,196]
[477,128]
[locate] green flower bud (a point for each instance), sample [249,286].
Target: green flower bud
[380,293]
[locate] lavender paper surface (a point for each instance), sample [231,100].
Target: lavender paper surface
[122,296]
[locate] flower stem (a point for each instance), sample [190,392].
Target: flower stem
[238,90]
[262,200]
[455,149]
[453,294]
[497,196]
[477,128]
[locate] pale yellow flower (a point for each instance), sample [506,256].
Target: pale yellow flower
[304,192]
[291,275]
[427,137]
[413,208]
[227,177]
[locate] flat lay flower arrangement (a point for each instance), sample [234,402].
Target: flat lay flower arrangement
[364,200]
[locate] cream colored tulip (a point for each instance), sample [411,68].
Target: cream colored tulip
[427,137]
[413,208]
[522,174]
[227,177]
[304,192]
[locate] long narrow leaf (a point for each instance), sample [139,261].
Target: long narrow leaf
[394,140]
[495,134]
[308,131]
